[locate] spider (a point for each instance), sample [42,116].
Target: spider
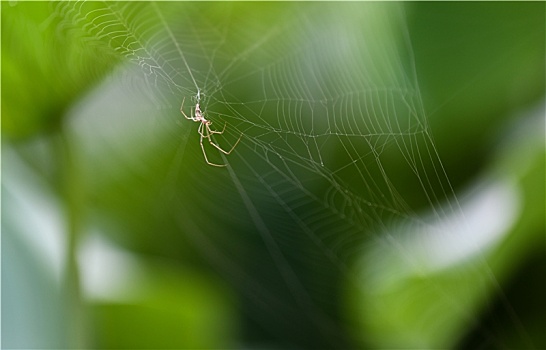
[205,131]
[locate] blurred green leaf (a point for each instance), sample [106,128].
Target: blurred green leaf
[411,305]
[178,309]
[47,67]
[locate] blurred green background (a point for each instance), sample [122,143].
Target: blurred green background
[388,190]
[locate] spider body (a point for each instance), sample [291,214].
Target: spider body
[206,132]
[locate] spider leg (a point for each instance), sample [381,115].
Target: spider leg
[218,132]
[182,110]
[192,115]
[201,130]
[207,136]
[220,148]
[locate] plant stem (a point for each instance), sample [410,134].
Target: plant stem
[72,194]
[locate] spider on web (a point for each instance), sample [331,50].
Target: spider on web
[205,130]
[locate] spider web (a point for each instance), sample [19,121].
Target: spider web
[333,124]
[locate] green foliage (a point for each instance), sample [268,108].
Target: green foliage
[363,126]
[44,69]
